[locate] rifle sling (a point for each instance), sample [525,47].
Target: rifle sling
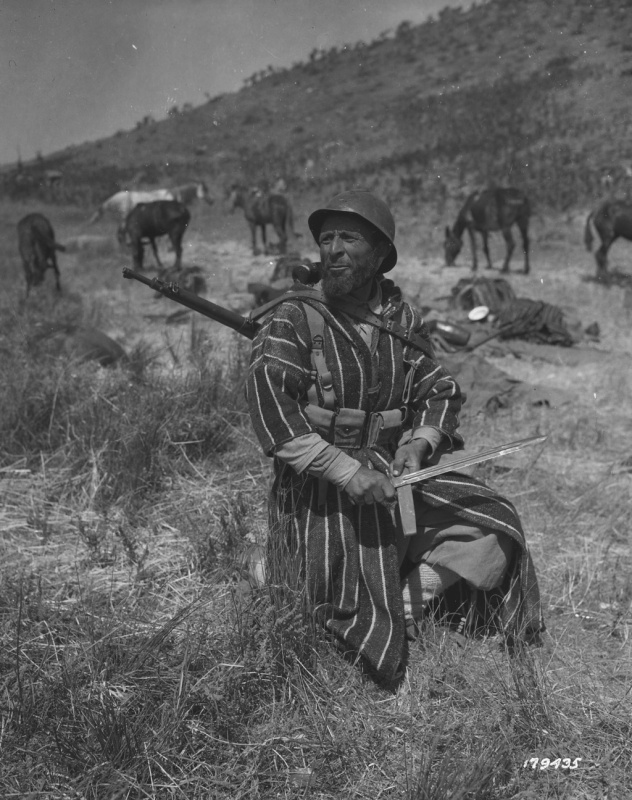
[351,309]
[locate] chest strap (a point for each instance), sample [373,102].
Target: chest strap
[350,428]
[346,427]
[389,325]
[361,313]
[320,370]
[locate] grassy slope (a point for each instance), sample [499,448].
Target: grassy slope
[524,92]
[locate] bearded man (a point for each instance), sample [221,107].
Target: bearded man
[345,394]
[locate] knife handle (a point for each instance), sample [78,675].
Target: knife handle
[407,508]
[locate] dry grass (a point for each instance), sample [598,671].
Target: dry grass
[135,660]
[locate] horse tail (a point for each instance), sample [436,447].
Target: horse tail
[289,221]
[588,237]
[97,215]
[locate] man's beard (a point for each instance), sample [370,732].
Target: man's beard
[338,286]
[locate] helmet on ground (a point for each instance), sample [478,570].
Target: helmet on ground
[368,207]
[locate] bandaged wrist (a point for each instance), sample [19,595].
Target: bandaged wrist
[311,453]
[432,435]
[300,452]
[334,466]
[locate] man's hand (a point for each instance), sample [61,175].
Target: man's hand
[369,486]
[410,456]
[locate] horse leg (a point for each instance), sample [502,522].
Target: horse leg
[524,232]
[138,252]
[155,249]
[485,236]
[253,237]
[280,232]
[473,246]
[175,237]
[601,257]
[53,263]
[264,238]
[177,264]
[509,241]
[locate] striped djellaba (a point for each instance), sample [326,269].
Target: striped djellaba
[348,552]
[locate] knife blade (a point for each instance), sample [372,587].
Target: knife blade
[466,461]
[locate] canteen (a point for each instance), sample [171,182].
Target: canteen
[451,332]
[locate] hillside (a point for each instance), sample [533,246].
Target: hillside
[532,93]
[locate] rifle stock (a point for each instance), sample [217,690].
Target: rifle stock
[231,319]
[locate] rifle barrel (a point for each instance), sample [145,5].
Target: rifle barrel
[231,319]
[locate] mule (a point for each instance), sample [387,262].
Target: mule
[261,209]
[493,209]
[121,203]
[612,219]
[188,193]
[150,221]
[38,249]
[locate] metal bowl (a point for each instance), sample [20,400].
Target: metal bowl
[479,313]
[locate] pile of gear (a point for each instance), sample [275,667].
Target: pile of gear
[492,293]
[512,317]
[287,270]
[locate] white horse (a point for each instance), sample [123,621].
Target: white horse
[190,192]
[121,203]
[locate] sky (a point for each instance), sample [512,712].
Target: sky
[78,70]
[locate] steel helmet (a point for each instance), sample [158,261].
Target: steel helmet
[365,205]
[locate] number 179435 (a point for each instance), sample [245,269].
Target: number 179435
[555,763]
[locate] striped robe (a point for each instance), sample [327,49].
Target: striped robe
[348,553]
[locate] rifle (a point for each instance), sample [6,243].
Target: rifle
[231,319]
[249,327]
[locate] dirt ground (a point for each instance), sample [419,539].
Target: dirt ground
[218,246]
[562,274]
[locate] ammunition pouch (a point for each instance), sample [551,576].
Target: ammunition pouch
[351,429]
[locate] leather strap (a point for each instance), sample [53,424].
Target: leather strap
[316,324]
[354,310]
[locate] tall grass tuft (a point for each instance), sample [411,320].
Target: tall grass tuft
[120,435]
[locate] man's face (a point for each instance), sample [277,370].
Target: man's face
[350,252]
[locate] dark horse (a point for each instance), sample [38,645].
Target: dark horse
[494,209]
[261,209]
[37,245]
[611,220]
[149,221]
